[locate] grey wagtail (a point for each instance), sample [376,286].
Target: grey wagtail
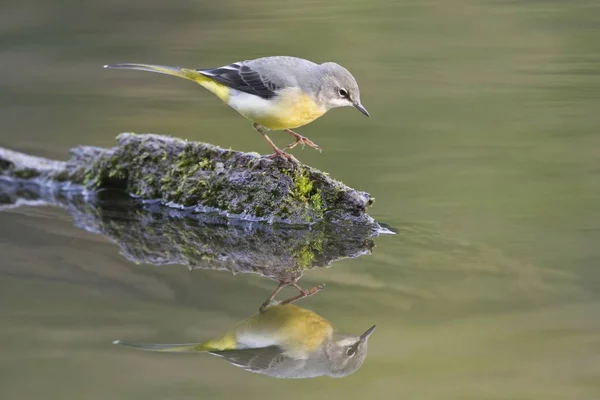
[275,93]
[282,341]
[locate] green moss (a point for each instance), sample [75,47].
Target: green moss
[183,162]
[26,173]
[316,202]
[303,186]
[117,173]
[304,191]
[193,174]
[63,176]
[205,163]
[306,254]
[193,191]
[188,179]
[305,257]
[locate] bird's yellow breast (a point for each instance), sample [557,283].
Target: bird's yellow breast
[290,109]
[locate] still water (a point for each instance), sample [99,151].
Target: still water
[482,150]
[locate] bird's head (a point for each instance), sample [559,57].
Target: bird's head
[339,88]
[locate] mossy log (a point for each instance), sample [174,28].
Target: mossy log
[199,177]
[150,234]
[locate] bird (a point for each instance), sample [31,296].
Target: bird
[275,93]
[281,341]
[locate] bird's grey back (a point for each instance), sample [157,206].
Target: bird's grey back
[286,71]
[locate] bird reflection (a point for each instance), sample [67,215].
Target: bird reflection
[282,340]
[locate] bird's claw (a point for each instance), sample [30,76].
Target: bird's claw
[282,154]
[303,141]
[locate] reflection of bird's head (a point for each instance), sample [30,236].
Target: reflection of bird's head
[347,353]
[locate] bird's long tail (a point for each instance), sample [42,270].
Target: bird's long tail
[220,90]
[184,73]
[168,348]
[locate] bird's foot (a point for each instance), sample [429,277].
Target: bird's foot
[282,154]
[301,140]
[278,153]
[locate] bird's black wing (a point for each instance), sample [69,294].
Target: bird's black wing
[254,360]
[243,78]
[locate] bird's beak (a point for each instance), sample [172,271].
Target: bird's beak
[368,333]
[361,108]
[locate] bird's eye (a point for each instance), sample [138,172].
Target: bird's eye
[350,351]
[343,93]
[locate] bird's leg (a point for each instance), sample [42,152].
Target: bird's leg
[300,140]
[278,151]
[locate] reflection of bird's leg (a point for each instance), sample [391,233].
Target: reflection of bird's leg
[277,150]
[303,293]
[300,140]
[264,305]
[292,282]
